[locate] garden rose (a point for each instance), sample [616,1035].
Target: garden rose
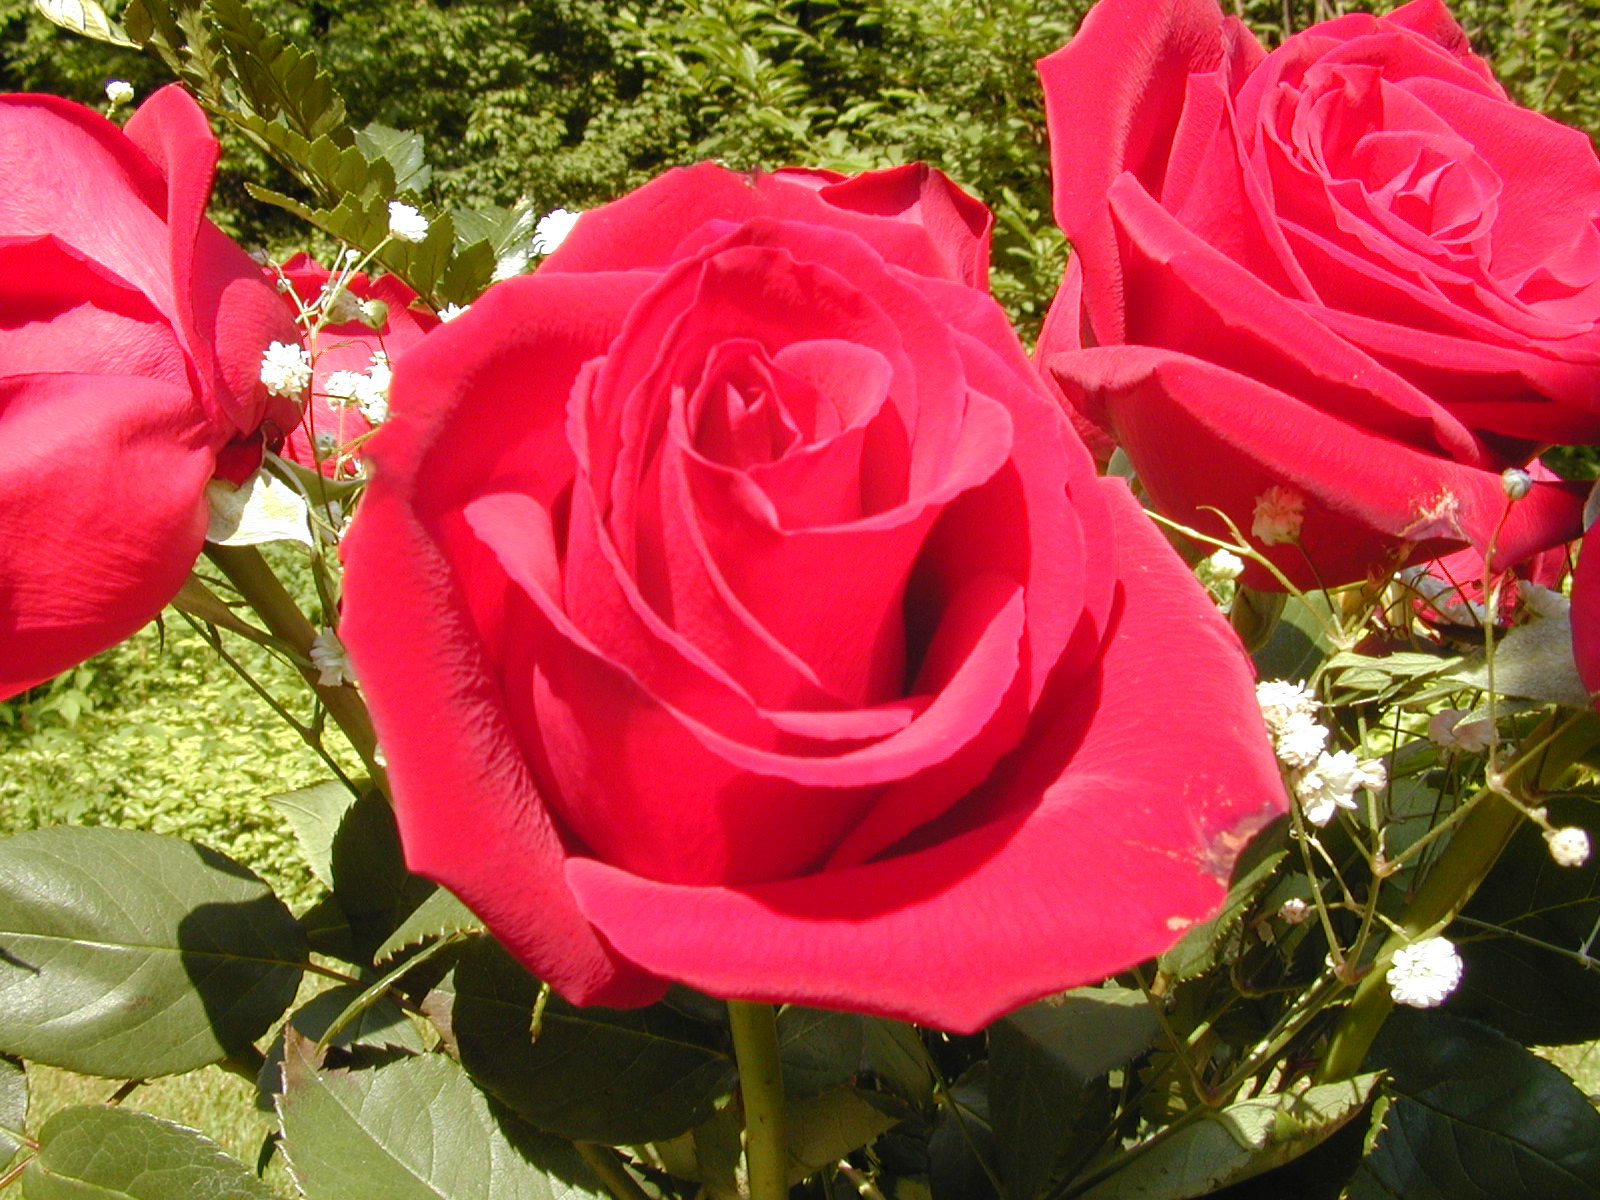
[736,608]
[348,346]
[1350,269]
[131,335]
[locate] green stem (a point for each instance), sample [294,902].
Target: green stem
[1455,876]
[603,1161]
[755,1047]
[249,572]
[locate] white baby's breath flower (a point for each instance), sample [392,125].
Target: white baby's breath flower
[343,387]
[329,657]
[285,369]
[406,224]
[1448,731]
[1225,564]
[1300,740]
[451,311]
[1569,845]
[552,230]
[1279,699]
[1279,515]
[372,389]
[1424,973]
[325,443]
[1294,910]
[1332,781]
[119,92]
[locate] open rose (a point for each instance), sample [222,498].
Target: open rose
[131,335]
[352,360]
[736,608]
[1350,270]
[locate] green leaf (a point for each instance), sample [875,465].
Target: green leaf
[1205,945]
[314,814]
[402,150]
[439,914]
[1217,1147]
[593,1074]
[822,1129]
[415,1129]
[1534,981]
[370,880]
[1044,1062]
[1298,642]
[895,1054]
[1475,1114]
[13,1106]
[818,1049]
[87,18]
[130,954]
[99,1153]
[1535,662]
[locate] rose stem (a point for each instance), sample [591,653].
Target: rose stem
[755,1048]
[249,572]
[1466,860]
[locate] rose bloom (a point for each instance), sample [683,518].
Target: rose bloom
[346,345]
[1350,269]
[736,608]
[131,335]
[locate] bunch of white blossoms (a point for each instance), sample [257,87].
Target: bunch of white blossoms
[366,390]
[1424,973]
[1323,782]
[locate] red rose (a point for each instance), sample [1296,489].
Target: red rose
[735,608]
[131,335]
[1351,269]
[348,346]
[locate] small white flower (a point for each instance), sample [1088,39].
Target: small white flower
[552,230]
[1294,910]
[1279,699]
[1327,786]
[406,224]
[1424,973]
[1448,731]
[1279,515]
[119,92]
[1569,845]
[325,443]
[285,369]
[451,311]
[329,657]
[351,255]
[1225,564]
[343,387]
[372,389]
[1516,483]
[1542,601]
[1300,740]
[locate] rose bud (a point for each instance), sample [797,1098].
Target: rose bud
[131,340]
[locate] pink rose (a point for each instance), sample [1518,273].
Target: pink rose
[735,607]
[344,358]
[131,335]
[1350,269]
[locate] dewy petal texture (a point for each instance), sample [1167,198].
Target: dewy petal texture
[1354,268]
[131,333]
[736,608]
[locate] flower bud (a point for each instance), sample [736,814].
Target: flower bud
[1515,482]
[119,92]
[1569,845]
